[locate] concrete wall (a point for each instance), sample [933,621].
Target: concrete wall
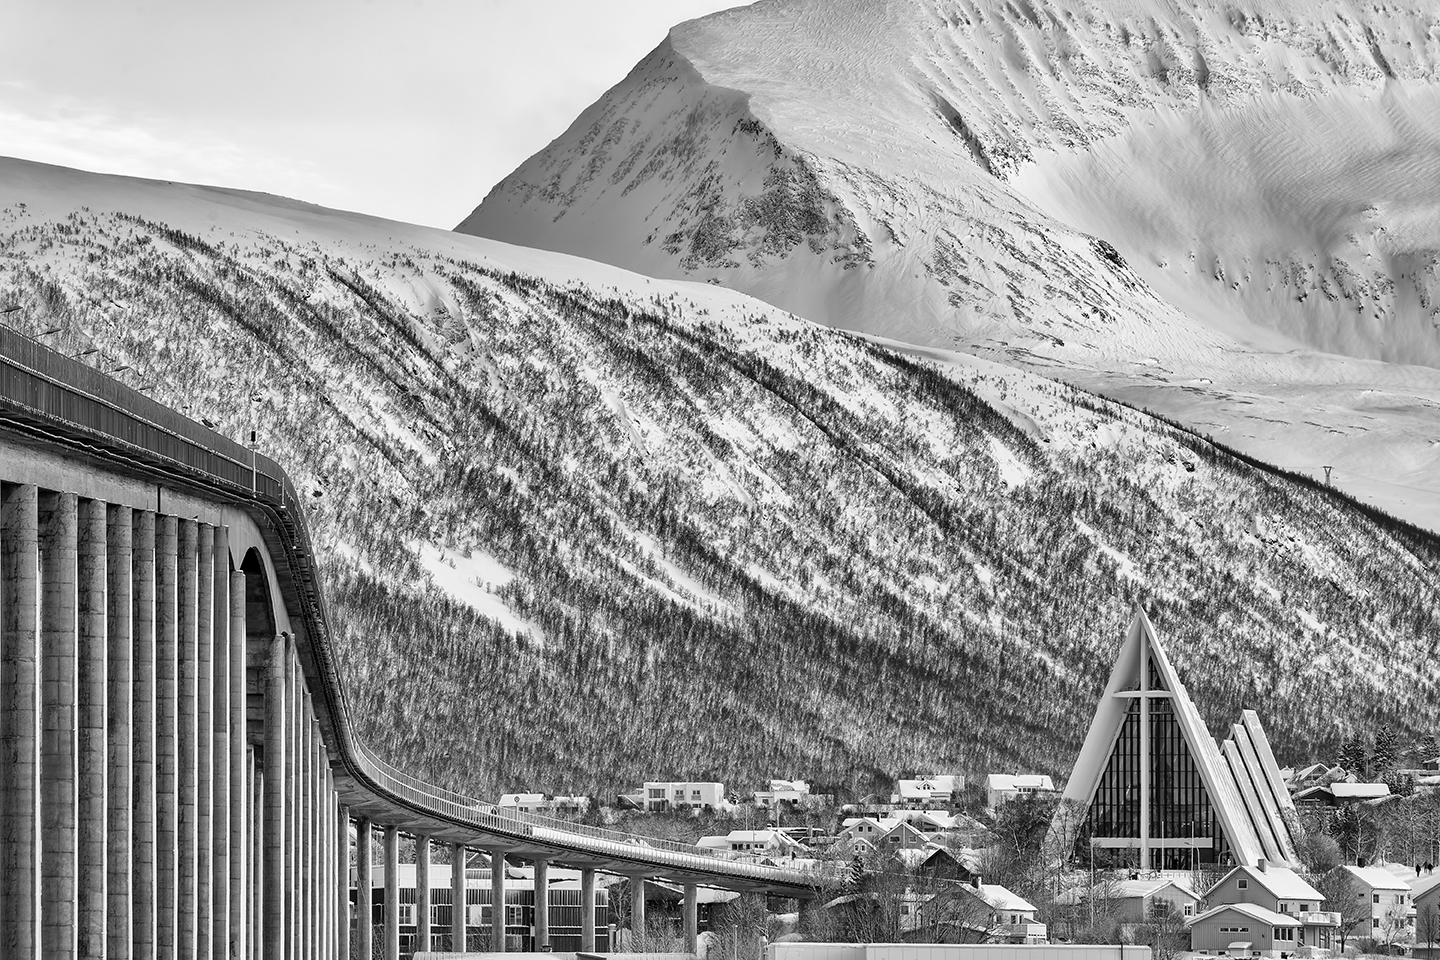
[962,951]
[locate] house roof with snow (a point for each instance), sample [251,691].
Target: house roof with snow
[515,799]
[1281,882]
[1018,781]
[925,787]
[1250,910]
[1375,878]
[999,898]
[1131,890]
[1424,885]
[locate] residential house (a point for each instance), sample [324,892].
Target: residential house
[1000,787]
[1342,792]
[767,843]
[927,792]
[539,803]
[783,791]
[1244,930]
[1425,894]
[1280,890]
[1138,901]
[1389,897]
[1011,918]
[660,795]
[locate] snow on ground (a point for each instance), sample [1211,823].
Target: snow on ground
[1013,473]
[1125,567]
[472,579]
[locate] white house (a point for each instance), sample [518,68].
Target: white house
[1244,930]
[927,791]
[782,791]
[542,804]
[1001,787]
[768,843]
[1389,897]
[659,795]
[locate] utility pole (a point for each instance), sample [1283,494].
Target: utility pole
[1327,475]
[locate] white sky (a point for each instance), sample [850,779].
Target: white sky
[409,109]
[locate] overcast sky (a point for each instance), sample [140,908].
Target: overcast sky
[409,109]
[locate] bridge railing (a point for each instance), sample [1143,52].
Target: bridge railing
[66,401]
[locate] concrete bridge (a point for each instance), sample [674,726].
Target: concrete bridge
[179,774]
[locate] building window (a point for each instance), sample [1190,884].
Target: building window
[1304,908]
[1189,909]
[407,914]
[1243,884]
[1375,924]
[1375,897]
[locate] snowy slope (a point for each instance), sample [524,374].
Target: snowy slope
[553,499]
[1225,213]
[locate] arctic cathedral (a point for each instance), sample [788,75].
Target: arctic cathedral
[1157,790]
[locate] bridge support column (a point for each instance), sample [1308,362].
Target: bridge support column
[57,740]
[274,889]
[255,883]
[119,679]
[187,746]
[542,904]
[241,861]
[143,880]
[166,757]
[19,713]
[457,898]
[587,911]
[288,771]
[313,881]
[392,893]
[204,737]
[637,914]
[220,845]
[90,903]
[692,919]
[364,892]
[497,901]
[342,883]
[422,893]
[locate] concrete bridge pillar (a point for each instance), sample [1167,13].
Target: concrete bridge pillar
[457,898]
[90,902]
[143,879]
[364,892]
[342,883]
[692,919]
[392,893]
[313,875]
[587,911]
[422,892]
[57,515]
[119,681]
[274,889]
[241,860]
[290,790]
[204,738]
[220,841]
[19,712]
[637,913]
[497,901]
[187,573]
[255,883]
[542,904]
[166,731]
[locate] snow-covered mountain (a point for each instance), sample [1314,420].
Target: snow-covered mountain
[601,522]
[1226,212]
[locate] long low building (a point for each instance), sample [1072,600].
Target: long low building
[1158,792]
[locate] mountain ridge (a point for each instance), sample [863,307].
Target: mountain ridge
[938,130]
[601,523]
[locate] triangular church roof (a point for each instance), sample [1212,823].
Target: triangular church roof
[1242,780]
